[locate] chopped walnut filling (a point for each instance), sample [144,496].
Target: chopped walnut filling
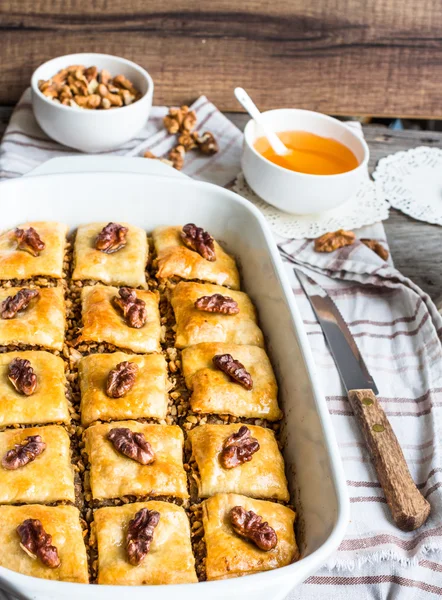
[134,309]
[111,238]
[176,157]
[238,448]
[131,444]
[13,304]
[207,143]
[334,240]
[199,240]
[180,120]
[121,379]
[217,303]
[24,453]
[37,543]
[22,376]
[29,241]
[234,369]
[376,247]
[140,534]
[88,88]
[249,525]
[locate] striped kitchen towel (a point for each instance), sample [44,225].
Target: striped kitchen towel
[398,331]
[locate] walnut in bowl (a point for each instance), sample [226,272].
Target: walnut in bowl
[126,85]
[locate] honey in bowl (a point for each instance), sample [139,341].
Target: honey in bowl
[310,153]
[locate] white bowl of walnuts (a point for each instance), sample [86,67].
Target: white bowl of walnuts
[91,102]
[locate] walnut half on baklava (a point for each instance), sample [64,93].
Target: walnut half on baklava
[169,557]
[63,555]
[120,465]
[231,549]
[120,386]
[242,459]
[190,252]
[33,249]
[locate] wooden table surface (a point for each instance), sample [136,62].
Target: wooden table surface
[416,247]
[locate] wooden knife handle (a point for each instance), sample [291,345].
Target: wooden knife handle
[408,507]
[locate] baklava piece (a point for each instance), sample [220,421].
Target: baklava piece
[139,459]
[216,391]
[32,389]
[36,465]
[121,386]
[113,253]
[245,536]
[201,316]
[33,249]
[241,459]
[190,252]
[32,317]
[144,544]
[43,541]
[128,319]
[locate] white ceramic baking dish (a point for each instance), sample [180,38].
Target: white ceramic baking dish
[314,469]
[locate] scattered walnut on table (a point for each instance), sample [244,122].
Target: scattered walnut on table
[134,309]
[234,369]
[29,241]
[377,247]
[111,238]
[176,157]
[188,140]
[249,525]
[207,143]
[22,376]
[199,240]
[121,379]
[217,303]
[37,543]
[140,534]
[24,453]
[334,240]
[13,304]
[131,444]
[238,448]
[180,120]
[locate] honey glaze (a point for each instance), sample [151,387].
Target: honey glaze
[310,153]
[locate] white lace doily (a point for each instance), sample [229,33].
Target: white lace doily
[367,206]
[412,182]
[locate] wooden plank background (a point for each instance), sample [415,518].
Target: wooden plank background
[343,57]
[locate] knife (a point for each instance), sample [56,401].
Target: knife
[408,507]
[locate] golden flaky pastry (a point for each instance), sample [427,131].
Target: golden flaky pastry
[20,264]
[48,404]
[215,392]
[42,323]
[228,554]
[194,326]
[63,524]
[169,560]
[104,322]
[175,259]
[262,477]
[48,478]
[127,266]
[114,475]
[146,399]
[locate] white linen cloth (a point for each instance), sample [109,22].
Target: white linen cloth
[398,331]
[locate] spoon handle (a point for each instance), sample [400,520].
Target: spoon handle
[247,103]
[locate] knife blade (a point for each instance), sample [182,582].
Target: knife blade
[408,507]
[348,359]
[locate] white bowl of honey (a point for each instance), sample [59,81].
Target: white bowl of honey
[325,166]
